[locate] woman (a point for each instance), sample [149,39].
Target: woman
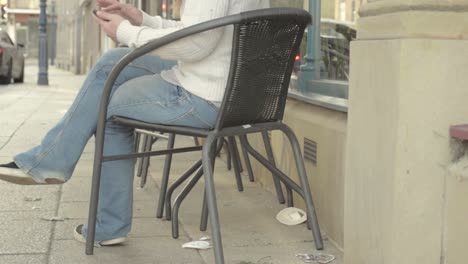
[180,84]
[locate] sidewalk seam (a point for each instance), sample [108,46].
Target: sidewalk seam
[26,119]
[53,227]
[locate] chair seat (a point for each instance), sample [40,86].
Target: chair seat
[181,130]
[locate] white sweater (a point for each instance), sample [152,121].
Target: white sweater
[203,59]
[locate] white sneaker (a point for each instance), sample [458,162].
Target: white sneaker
[18,176]
[78,234]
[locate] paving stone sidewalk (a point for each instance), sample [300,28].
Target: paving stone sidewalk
[251,233]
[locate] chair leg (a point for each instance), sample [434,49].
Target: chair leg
[271,158]
[93,206]
[219,154]
[196,141]
[146,161]
[236,163]
[312,216]
[144,175]
[290,198]
[204,214]
[144,138]
[165,177]
[208,158]
[176,184]
[95,185]
[180,198]
[246,159]
[236,154]
[283,177]
[228,154]
[136,145]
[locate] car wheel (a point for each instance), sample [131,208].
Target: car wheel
[20,79]
[7,78]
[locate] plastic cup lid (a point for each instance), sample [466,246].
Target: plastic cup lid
[291,216]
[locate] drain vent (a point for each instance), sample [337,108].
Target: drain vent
[310,151]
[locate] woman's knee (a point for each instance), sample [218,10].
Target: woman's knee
[121,97]
[111,57]
[136,91]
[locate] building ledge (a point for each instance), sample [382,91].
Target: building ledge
[396,6]
[330,102]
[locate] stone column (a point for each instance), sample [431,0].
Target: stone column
[408,84]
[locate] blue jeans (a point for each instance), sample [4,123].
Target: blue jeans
[139,93]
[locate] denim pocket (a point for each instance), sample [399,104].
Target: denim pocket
[204,111]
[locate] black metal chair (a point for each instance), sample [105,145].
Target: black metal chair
[265,43]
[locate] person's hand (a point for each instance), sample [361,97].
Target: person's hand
[105,3]
[126,11]
[109,23]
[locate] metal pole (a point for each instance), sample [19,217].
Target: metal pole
[78,22]
[311,69]
[53,28]
[43,78]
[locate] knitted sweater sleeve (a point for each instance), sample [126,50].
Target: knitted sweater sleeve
[158,22]
[192,48]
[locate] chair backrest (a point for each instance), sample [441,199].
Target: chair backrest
[265,44]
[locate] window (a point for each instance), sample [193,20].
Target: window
[321,73]
[167,9]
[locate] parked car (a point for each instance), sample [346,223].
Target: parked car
[11,60]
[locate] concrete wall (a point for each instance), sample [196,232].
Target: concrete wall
[408,85]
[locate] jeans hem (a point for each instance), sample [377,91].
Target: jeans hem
[37,177]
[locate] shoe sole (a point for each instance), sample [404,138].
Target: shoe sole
[110,242]
[17,176]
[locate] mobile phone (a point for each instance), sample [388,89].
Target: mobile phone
[95,13]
